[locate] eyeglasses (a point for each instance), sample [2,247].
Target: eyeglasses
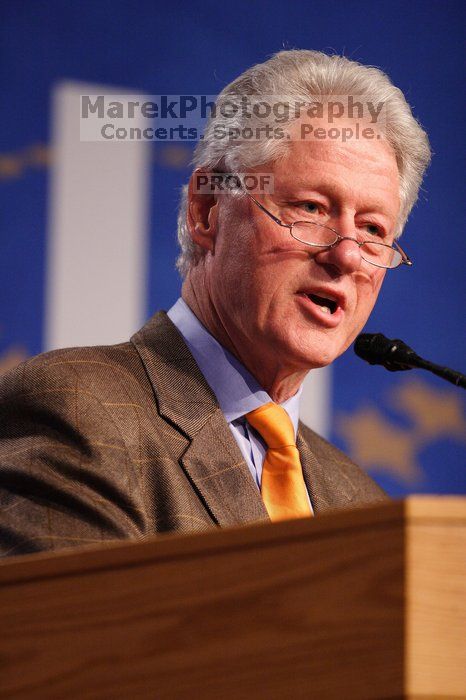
[319,236]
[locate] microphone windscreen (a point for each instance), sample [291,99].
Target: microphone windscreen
[372,347]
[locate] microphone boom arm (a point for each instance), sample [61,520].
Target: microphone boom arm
[396,356]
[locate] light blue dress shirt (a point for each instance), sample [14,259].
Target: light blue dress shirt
[236,389]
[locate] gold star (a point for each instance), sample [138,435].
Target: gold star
[10,166]
[435,413]
[38,155]
[13,165]
[376,444]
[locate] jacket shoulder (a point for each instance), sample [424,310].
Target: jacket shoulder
[70,449]
[91,368]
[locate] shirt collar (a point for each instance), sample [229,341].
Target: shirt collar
[237,391]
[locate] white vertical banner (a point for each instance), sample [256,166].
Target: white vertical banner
[316,401]
[97,231]
[98,242]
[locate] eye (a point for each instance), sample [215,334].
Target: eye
[303,211]
[310,207]
[375,230]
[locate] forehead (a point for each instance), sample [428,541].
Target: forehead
[360,166]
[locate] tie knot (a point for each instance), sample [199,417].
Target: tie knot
[273,423]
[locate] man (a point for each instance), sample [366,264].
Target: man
[194,422]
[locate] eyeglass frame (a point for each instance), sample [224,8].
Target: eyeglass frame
[405,260]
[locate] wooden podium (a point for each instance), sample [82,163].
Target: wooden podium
[367,603]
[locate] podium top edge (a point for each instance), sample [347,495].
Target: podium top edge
[448,510]
[437,507]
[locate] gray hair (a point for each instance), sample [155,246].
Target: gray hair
[304,76]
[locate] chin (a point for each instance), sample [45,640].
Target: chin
[319,361]
[308,355]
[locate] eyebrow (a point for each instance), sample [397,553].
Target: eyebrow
[303,192]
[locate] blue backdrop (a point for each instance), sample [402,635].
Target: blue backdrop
[407,429]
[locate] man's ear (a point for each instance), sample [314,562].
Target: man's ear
[202,210]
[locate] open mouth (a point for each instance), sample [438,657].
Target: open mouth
[328,306]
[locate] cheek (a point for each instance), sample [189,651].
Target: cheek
[231,286]
[377,283]
[369,291]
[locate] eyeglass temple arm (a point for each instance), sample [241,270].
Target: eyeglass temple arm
[406,260]
[266,211]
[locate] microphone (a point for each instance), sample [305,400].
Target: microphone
[396,356]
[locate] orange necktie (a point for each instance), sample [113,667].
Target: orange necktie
[283,489]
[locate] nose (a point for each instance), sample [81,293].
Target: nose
[345,256]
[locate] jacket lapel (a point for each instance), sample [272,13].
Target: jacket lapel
[215,464]
[328,487]
[212,461]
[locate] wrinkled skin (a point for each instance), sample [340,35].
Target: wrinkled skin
[249,288]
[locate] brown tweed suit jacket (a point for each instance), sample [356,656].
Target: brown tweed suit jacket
[127,441]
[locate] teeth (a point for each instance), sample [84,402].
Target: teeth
[328,306]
